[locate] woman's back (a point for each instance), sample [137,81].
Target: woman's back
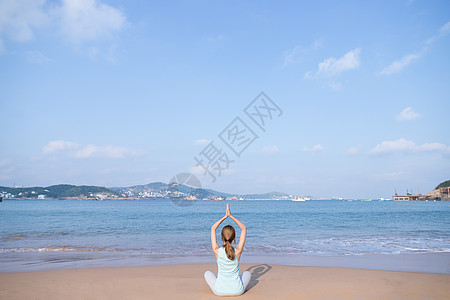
[228,279]
[228,282]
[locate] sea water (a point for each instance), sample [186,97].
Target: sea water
[37,234]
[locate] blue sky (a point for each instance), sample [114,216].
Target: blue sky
[119,93]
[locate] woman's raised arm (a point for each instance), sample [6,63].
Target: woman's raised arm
[243,236]
[215,247]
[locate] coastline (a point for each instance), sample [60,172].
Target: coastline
[269,281]
[437,263]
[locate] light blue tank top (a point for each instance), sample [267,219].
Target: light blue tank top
[228,280]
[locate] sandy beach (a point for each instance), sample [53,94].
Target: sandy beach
[186,282]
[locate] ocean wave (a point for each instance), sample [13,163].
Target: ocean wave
[45,235]
[251,250]
[62,249]
[343,245]
[14,237]
[91,249]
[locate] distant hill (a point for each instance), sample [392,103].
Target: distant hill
[159,189]
[151,190]
[58,191]
[443,184]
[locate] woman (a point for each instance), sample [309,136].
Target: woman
[228,282]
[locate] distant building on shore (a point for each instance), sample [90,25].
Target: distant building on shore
[442,193]
[439,194]
[407,197]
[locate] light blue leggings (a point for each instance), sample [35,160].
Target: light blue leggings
[210,278]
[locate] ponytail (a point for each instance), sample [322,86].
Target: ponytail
[228,235]
[229,250]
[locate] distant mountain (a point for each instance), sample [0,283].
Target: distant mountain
[443,184]
[160,189]
[58,191]
[151,190]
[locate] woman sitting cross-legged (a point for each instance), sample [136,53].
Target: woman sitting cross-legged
[228,282]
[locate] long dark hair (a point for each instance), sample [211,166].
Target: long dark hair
[228,235]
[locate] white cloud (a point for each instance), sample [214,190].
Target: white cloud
[83,20]
[270,149]
[445,28]
[18,18]
[406,60]
[60,145]
[400,145]
[432,147]
[398,65]
[78,21]
[315,148]
[37,57]
[404,146]
[332,66]
[202,142]
[78,151]
[294,56]
[407,114]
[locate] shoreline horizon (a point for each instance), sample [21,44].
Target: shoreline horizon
[431,263]
[223,200]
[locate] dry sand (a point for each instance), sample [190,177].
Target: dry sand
[186,282]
